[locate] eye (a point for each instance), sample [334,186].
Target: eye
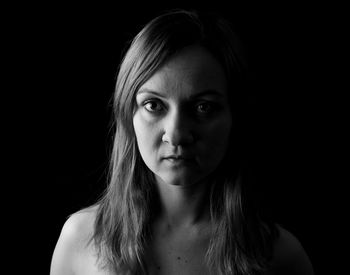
[205,108]
[153,106]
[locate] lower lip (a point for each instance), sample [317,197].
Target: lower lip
[179,161]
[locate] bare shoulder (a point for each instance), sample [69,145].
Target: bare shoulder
[74,239]
[81,223]
[290,256]
[79,227]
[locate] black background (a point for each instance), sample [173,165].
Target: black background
[65,58]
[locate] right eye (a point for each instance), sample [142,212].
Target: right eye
[153,106]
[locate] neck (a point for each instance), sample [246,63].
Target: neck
[183,206]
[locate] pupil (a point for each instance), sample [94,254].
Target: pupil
[153,105]
[204,107]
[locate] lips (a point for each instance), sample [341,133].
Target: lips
[179,159]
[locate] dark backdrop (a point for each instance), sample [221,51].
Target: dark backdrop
[69,57]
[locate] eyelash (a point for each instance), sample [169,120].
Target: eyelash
[210,105]
[152,101]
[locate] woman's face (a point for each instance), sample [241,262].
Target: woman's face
[183,120]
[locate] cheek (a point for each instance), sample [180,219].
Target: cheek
[147,137]
[216,139]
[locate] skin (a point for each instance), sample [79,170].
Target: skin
[74,255]
[172,122]
[183,109]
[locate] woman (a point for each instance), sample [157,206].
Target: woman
[177,201]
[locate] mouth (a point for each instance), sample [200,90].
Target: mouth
[179,159]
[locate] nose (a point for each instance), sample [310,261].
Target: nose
[178,130]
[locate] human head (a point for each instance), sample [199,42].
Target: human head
[183,111]
[159,41]
[128,206]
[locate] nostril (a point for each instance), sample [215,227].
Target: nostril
[177,129]
[176,139]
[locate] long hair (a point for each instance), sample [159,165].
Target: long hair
[241,243]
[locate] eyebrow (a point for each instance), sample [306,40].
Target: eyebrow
[209,92]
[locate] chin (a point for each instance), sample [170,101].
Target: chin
[180,180]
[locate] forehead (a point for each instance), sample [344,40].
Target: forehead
[191,71]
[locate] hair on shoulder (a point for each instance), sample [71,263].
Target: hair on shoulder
[242,241]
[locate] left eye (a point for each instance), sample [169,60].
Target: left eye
[204,108]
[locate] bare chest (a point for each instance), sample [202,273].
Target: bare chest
[86,263]
[177,255]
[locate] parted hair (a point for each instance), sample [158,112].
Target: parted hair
[242,241]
